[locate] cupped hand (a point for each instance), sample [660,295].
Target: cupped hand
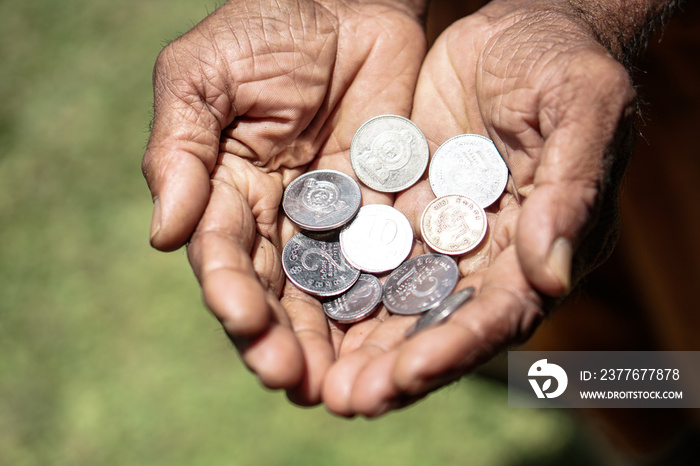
[560,110]
[253,96]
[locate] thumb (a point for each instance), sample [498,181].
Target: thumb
[548,229]
[181,153]
[585,124]
[573,208]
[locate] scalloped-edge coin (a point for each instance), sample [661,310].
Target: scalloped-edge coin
[442,311]
[470,165]
[420,283]
[356,303]
[453,224]
[317,267]
[389,153]
[378,239]
[322,200]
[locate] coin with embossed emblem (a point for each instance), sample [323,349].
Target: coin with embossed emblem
[442,311]
[317,267]
[322,200]
[378,239]
[356,303]
[453,224]
[420,283]
[389,153]
[469,165]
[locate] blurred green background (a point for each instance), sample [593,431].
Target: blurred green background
[107,355]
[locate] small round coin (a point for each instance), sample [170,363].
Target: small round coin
[378,239]
[420,283]
[356,303]
[317,267]
[453,224]
[322,200]
[389,153]
[442,311]
[470,165]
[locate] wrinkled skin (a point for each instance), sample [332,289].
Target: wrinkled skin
[240,111]
[559,109]
[246,101]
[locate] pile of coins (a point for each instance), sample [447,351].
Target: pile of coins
[341,246]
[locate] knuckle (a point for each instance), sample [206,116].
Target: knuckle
[615,78]
[164,60]
[602,74]
[146,166]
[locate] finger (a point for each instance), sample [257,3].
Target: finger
[338,388]
[504,311]
[274,356]
[579,122]
[241,277]
[376,390]
[311,328]
[235,249]
[386,372]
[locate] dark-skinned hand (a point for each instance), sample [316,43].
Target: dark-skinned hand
[559,109]
[250,98]
[256,95]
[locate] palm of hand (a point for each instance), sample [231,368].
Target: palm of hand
[558,115]
[246,101]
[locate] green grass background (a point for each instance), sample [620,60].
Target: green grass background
[107,355]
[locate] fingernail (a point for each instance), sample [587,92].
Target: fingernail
[560,261]
[381,410]
[155,221]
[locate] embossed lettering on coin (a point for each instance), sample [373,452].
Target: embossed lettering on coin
[420,283]
[453,224]
[378,239]
[356,303]
[317,267]
[469,165]
[322,200]
[442,311]
[389,153]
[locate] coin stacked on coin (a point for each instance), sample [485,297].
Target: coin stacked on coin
[320,201]
[378,239]
[468,165]
[339,240]
[467,174]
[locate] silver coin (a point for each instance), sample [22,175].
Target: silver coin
[453,224]
[442,311]
[356,303]
[469,165]
[378,239]
[317,267]
[420,283]
[322,200]
[389,153]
